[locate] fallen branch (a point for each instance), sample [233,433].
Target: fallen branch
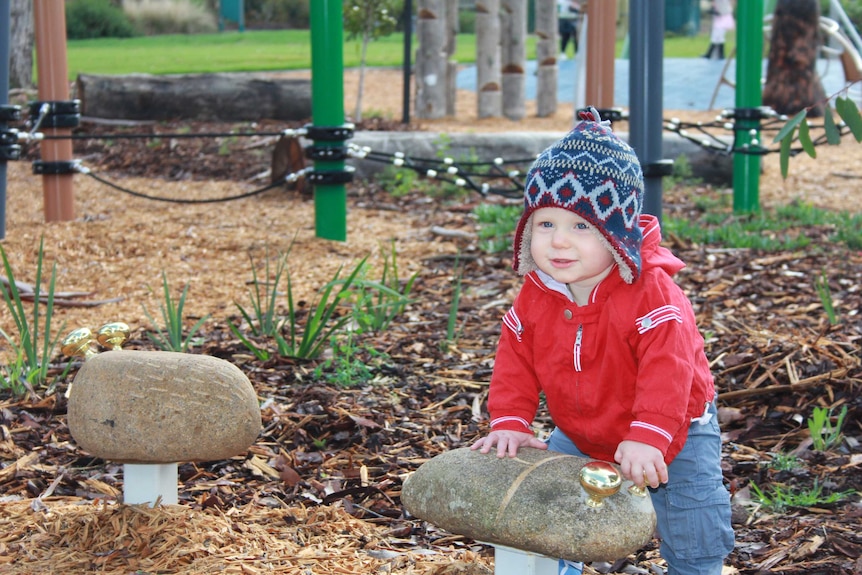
[801,384]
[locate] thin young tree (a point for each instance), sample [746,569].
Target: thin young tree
[368,20]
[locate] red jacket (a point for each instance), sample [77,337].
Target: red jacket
[628,365]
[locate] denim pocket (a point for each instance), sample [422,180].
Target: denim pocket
[698,521]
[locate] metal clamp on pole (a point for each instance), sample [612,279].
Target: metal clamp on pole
[659,169]
[57,114]
[9,147]
[329,133]
[10,114]
[58,168]
[326,154]
[324,178]
[751,114]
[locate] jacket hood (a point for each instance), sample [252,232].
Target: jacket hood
[653,255]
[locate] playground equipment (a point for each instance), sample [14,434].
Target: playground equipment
[534,508]
[152,409]
[748,112]
[56,166]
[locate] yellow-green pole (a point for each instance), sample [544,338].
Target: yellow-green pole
[749,98]
[327,110]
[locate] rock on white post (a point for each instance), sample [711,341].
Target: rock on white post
[535,508]
[152,409]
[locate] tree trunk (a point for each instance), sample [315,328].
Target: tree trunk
[357,116]
[513,18]
[792,82]
[21,44]
[431,59]
[488,80]
[546,58]
[207,97]
[451,64]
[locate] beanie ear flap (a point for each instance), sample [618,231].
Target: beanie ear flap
[523,262]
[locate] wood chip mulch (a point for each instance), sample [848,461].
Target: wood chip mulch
[318,493]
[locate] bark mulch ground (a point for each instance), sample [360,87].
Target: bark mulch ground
[319,490]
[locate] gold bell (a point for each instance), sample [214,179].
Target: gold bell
[113,335]
[600,479]
[79,343]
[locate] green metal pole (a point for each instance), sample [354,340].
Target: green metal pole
[749,98]
[327,110]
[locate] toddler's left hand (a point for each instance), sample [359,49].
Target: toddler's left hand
[641,463]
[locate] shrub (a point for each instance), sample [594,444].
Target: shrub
[271,13]
[155,17]
[96,19]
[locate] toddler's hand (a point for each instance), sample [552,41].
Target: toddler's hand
[507,442]
[641,463]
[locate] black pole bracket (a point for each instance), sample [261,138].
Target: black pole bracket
[323,178]
[61,113]
[41,168]
[9,147]
[326,154]
[754,114]
[659,169]
[10,114]
[329,133]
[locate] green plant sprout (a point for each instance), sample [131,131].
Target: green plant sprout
[821,284]
[824,434]
[496,226]
[377,304]
[345,368]
[263,319]
[783,461]
[305,341]
[169,335]
[767,230]
[452,321]
[781,498]
[35,345]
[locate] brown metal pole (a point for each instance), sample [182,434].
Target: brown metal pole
[50,21]
[601,45]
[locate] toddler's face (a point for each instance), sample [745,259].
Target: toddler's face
[566,247]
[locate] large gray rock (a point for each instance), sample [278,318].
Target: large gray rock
[534,502]
[162,407]
[708,166]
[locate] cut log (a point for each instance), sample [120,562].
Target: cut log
[488,69]
[431,61]
[546,58]
[513,35]
[238,97]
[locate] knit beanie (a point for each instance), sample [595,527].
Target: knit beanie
[594,174]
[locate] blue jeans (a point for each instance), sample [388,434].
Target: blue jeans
[693,507]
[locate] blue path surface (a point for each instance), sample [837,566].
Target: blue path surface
[688,82]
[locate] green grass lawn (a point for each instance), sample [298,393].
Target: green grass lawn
[267,50]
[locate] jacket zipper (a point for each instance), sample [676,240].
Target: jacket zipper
[577,350]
